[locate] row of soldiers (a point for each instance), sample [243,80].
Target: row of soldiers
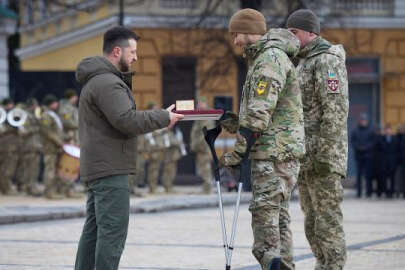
[163,148]
[43,132]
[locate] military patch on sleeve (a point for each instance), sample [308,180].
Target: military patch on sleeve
[333,82]
[66,116]
[262,88]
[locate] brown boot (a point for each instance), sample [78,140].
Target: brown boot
[53,196]
[72,194]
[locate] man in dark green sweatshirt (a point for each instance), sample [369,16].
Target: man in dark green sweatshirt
[108,126]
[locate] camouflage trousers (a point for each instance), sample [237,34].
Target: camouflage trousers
[203,162]
[8,165]
[320,198]
[139,177]
[272,184]
[28,171]
[168,174]
[53,183]
[140,169]
[154,165]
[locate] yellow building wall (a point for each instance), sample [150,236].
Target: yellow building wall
[157,43]
[64,59]
[389,46]
[217,75]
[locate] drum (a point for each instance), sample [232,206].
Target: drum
[69,163]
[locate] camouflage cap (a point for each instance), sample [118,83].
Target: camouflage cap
[31,101]
[150,105]
[49,99]
[70,93]
[7,101]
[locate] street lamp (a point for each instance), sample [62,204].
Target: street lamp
[121,13]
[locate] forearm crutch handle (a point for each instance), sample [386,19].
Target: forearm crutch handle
[245,164]
[210,135]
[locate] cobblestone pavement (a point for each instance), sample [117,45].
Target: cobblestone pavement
[191,239]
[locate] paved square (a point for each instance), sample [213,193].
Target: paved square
[191,239]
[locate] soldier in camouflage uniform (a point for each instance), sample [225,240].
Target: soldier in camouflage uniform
[271,106]
[156,149]
[155,146]
[138,178]
[52,134]
[201,149]
[323,82]
[172,154]
[31,147]
[9,152]
[69,114]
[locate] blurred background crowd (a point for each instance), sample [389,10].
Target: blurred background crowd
[380,159]
[40,150]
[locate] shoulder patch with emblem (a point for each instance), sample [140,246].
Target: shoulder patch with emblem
[261,89]
[333,82]
[66,116]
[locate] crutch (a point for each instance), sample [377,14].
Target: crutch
[210,137]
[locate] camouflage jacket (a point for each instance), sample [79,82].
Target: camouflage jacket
[141,144]
[52,132]
[69,115]
[172,151]
[323,81]
[197,141]
[271,102]
[9,139]
[30,133]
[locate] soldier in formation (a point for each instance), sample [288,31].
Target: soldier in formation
[174,150]
[9,151]
[31,133]
[52,132]
[323,81]
[31,149]
[69,115]
[201,150]
[155,146]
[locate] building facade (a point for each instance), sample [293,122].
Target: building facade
[185,50]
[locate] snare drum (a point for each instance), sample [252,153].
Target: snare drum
[69,163]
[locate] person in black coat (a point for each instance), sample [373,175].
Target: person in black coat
[389,150]
[363,140]
[400,176]
[377,170]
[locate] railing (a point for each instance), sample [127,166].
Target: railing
[179,3]
[363,7]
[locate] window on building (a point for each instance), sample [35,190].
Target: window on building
[254,4]
[4,3]
[29,12]
[364,7]
[30,38]
[43,6]
[58,26]
[179,3]
[44,32]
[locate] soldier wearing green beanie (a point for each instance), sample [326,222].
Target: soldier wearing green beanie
[323,82]
[271,107]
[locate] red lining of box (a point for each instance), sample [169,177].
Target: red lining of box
[201,112]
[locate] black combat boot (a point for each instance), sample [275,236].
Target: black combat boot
[274,264]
